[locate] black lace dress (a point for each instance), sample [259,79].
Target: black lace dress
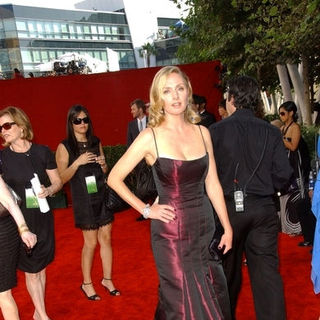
[89,209]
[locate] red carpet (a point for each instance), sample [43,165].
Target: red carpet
[135,275]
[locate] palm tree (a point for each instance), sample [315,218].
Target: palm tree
[146,51]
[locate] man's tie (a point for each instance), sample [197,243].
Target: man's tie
[140,125]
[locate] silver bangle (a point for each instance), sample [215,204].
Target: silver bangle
[146,211]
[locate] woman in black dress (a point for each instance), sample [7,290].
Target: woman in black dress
[81,161]
[21,159]
[9,249]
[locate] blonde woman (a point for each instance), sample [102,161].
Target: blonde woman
[21,159]
[192,285]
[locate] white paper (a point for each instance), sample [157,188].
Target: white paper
[36,186]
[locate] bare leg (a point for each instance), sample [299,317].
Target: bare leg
[89,245]
[104,238]
[36,283]
[8,306]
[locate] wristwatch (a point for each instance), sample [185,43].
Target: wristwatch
[146,211]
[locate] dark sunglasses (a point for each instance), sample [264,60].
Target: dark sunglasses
[282,113]
[7,126]
[77,121]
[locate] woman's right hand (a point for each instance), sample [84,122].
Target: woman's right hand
[162,212]
[87,157]
[29,238]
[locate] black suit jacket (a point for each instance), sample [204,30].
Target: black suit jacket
[207,119]
[133,131]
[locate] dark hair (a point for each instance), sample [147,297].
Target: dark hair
[72,141]
[203,100]
[290,106]
[222,104]
[140,104]
[196,99]
[246,93]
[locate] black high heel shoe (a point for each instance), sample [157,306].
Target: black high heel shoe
[114,292]
[94,297]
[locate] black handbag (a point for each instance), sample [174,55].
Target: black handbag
[113,202]
[3,210]
[216,253]
[145,186]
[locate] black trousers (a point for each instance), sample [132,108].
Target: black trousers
[256,233]
[307,219]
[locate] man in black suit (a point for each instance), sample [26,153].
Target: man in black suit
[199,105]
[139,122]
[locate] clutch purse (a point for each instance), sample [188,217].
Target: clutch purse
[216,253]
[113,202]
[3,210]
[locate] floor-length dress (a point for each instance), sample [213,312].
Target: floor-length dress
[192,285]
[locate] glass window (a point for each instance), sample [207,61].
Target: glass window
[21,25]
[96,54]
[44,56]
[48,27]
[101,30]
[52,55]
[56,28]
[64,27]
[71,28]
[36,56]
[103,56]
[39,27]
[31,26]
[94,29]
[26,56]
[79,29]
[86,29]
[114,30]
[59,53]
[107,30]
[23,35]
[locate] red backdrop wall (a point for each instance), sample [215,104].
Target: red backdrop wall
[106,95]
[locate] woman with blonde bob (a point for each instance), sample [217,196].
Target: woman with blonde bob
[192,285]
[21,159]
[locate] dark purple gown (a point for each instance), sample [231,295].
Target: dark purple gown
[192,285]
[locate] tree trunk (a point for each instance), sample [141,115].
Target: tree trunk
[306,86]
[273,104]
[298,89]
[284,82]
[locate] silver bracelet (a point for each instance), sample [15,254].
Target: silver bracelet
[146,211]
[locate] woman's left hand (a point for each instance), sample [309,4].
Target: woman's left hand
[226,241]
[101,160]
[45,192]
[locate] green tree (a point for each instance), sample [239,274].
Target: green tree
[146,51]
[253,36]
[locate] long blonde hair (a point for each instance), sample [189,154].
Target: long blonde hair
[21,119]
[156,113]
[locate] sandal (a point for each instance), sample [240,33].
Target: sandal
[94,297]
[114,292]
